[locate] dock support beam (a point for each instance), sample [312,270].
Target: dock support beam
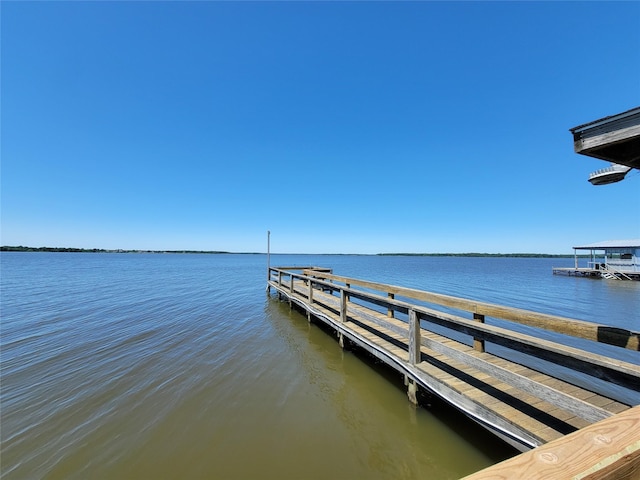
[412,392]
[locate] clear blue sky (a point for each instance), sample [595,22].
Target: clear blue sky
[342,127]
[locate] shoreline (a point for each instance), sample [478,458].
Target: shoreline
[20,248]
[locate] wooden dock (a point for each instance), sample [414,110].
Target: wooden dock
[486,360]
[609,274]
[578,272]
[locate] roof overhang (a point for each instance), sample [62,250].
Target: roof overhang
[611,244]
[615,138]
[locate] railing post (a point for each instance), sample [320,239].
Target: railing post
[414,354]
[343,314]
[390,311]
[343,306]
[478,344]
[291,290]
[280,278]
[414,337]
[310,299]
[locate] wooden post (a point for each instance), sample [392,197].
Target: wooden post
[414,338]
[343,314]
[412,391]
[390,311]
[343,306]
[478,344]
[310,299]
[414,354]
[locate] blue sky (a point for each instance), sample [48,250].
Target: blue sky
[341,127]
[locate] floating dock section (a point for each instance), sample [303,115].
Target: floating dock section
[488,361]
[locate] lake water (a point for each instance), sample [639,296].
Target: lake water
[181,366]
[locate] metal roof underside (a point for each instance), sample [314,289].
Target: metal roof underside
[633,243]
[615,138]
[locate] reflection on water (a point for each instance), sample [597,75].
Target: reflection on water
[180,366]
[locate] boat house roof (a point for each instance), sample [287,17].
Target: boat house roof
[615,138]
[611,244]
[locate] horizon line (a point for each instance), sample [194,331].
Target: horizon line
[22,248]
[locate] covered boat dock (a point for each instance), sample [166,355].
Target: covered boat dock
[612,259]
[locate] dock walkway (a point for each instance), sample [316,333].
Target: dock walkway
[475,364]
[602,272]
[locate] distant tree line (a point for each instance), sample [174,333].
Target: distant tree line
[20,248]
[474,254]
[6,248]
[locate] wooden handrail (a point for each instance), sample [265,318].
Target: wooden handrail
[568,326]
[415,329]
[592,364]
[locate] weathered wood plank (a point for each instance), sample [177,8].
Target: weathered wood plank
[551,395]
[606,450]
[599,366]
[503,398]
[605,138]
[510,418]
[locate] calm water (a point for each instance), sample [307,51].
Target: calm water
[180,366]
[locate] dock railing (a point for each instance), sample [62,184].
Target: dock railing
[418,316]
[471,354]
[323,278]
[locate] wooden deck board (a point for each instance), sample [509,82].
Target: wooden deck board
[606,450]
[505,411]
